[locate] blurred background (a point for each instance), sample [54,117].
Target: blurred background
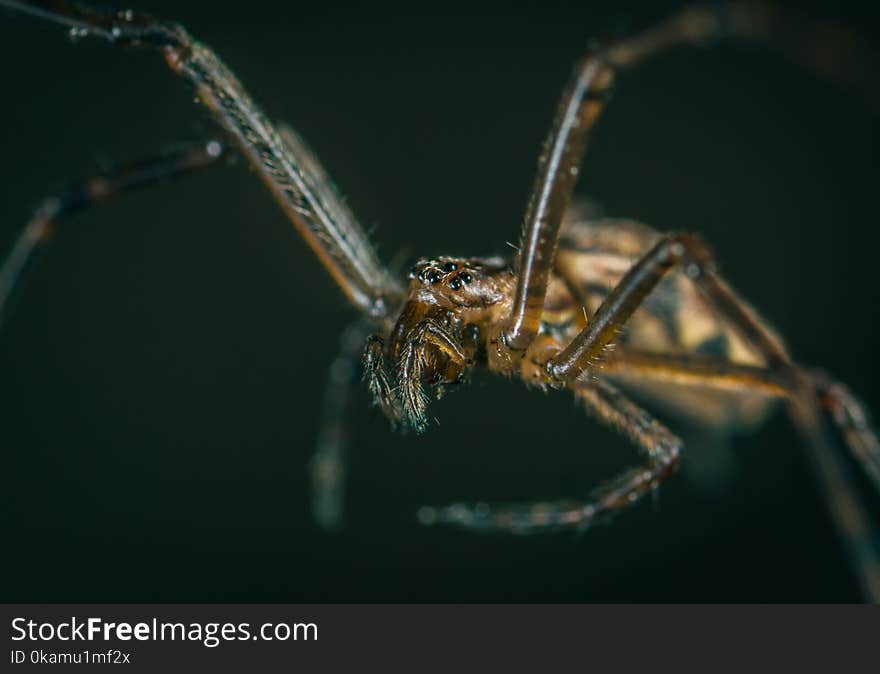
[163,368]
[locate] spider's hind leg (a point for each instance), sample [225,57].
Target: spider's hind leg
[661,447]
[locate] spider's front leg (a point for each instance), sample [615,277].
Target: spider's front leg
[558,167]
[288,168]
[660,446]
[580,107]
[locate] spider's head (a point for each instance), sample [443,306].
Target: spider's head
[437,336]
[452,282]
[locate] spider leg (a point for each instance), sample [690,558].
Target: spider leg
[813,43]
[562,154]
[850,415]
[684,251]
[848,511]
[847,412]
[84,194]
[581,104]
[321,181]
[661,448]
[328,465]
[695,370]
[341,245]
[828,50]
[806,391]
[586,350]
[804,394]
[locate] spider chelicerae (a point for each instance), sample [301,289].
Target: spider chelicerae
[597,306]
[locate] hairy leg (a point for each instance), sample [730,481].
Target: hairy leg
[661,448]
[558,167]
[86,193]
[847,412]
[586,350]
[813,43]
[341,245]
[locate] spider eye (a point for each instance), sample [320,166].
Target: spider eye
[465,277]
[455,284]
[450,266]
[434,277]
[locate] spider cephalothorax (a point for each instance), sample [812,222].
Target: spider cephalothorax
[438,336]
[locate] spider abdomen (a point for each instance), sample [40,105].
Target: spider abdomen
[675,319]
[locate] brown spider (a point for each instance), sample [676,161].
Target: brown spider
[549,317]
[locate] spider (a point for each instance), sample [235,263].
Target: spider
[599,307]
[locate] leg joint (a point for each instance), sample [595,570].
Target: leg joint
[597,75]
[691,252]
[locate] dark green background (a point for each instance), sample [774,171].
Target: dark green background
[162,372]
